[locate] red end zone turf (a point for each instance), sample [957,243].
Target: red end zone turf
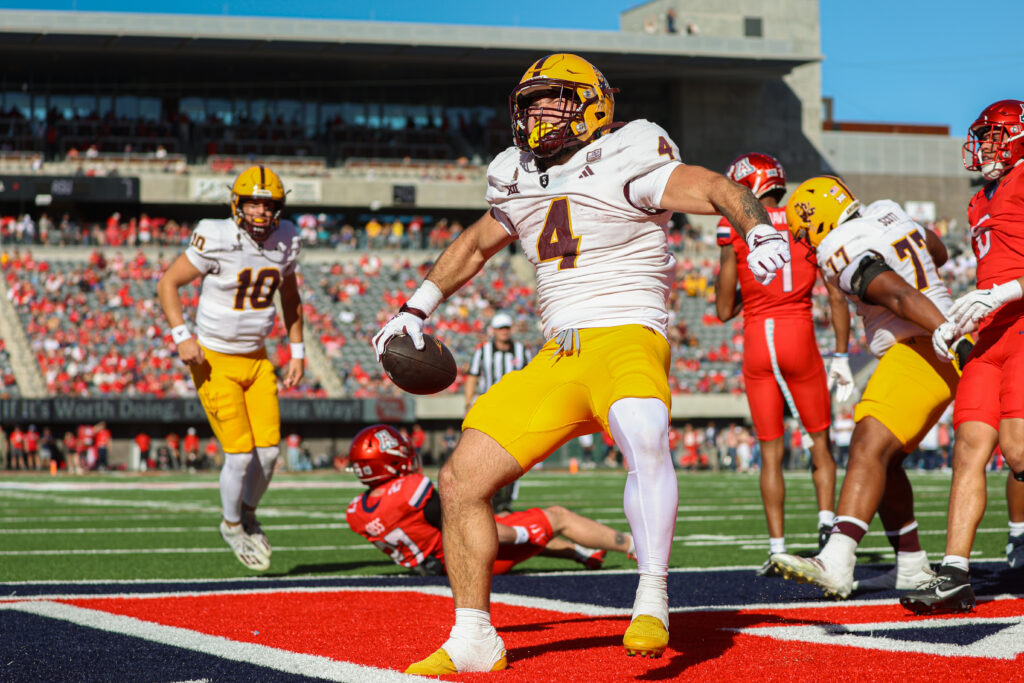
[392,628]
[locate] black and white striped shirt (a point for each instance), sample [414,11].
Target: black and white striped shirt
[491,364]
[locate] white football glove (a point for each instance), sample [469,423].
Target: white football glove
[403,323]
[769,252]
[943,337]
[971,308]
[841,377]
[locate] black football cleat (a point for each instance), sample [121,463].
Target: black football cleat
[949,592]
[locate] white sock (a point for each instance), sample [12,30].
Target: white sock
[776,545]
[472,624]
[914,559]
[826,518]
[957,561]
[259,474]
[840,551]
[652,597]
[232,481]
[1017,528]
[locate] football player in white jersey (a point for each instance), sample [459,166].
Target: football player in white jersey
[589,200]
[886,264]
[243,261]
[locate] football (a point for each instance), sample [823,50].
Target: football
[419,372]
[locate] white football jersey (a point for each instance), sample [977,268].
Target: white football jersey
[883,229]
[593,228]
[236,302]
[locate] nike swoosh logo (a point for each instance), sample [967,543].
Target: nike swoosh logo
[945,594]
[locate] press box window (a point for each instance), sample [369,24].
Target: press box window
[753,27]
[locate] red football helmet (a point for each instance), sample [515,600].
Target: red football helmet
[380,453]
[762,173]
[995,141]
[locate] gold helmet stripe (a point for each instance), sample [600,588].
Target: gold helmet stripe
[263,177]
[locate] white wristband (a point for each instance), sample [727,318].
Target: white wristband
[1008,291]
[298,350]
[764,230]
[180,333]
[426,298]
[522,535]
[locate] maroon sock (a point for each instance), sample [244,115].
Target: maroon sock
[850,529]
[905,540]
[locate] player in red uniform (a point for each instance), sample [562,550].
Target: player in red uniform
[401,515]
[781,362]
[989,407]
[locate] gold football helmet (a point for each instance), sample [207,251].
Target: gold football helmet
[817,206]
[257,182]
[589,105]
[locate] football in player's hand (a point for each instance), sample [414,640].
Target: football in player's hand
[419,372]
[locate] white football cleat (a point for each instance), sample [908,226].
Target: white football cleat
[245,549]
[909,575]
[255,531]
[835,582]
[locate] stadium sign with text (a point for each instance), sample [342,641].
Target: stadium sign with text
[121,410]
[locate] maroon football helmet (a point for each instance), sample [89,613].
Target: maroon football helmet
[380,453]
[762,173]
[995,141]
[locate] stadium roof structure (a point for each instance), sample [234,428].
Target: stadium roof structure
[107,35]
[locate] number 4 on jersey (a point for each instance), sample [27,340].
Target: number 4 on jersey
[556,240]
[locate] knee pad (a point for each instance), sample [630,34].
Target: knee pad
[640,428]
[237,463]
[268,457]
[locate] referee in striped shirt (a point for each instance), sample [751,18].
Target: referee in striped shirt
[490,363]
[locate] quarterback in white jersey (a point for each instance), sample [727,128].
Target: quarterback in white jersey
[885,262]
[243,262]
[588,200]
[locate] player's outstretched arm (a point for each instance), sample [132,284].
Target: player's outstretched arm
[893,292]
[291,307]
[840,311]
[179,274]
[694,189]
[464,257]
[936,249]
[459,262]
[728,301]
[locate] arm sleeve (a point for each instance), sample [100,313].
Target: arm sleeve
[432,510]
[865,267]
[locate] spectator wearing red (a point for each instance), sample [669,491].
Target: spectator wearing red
[102,446]
[17,449]
[143,443]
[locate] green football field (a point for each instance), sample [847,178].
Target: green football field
[113,526]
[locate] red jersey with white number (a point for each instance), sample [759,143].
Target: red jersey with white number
[996,214]
[789,294]
[394,521]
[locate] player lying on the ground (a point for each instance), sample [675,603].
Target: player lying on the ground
[401,515]
[886,263]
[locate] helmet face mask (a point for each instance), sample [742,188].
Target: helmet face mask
[817,206]
[995,141]
[257,184]
[762,173]
[561,102]
[380,453]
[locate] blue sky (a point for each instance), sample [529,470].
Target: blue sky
[937,62]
